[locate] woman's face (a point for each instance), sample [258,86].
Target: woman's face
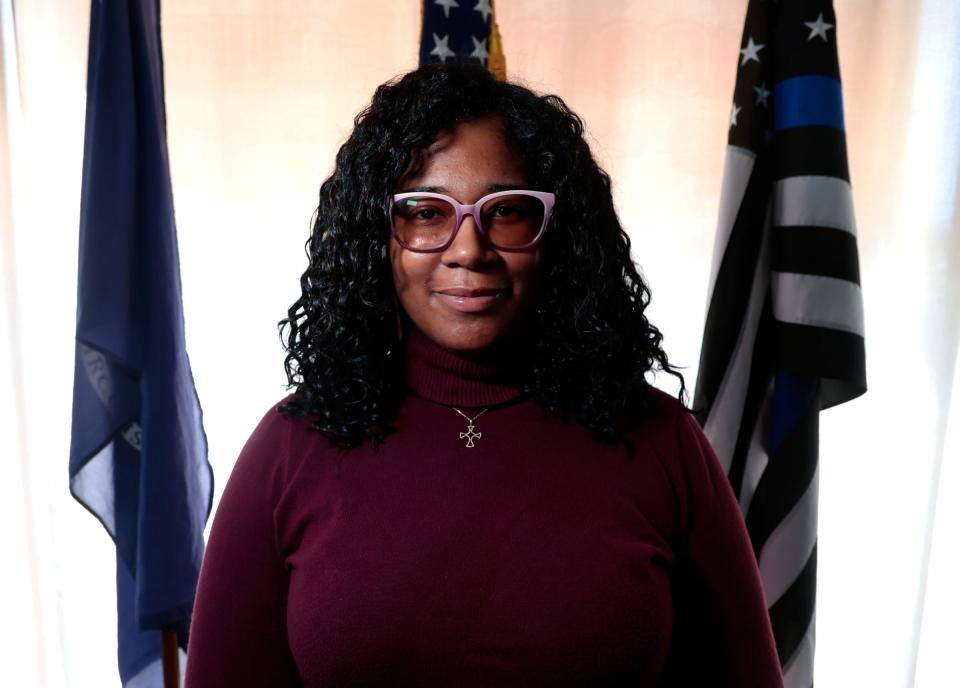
[469,298]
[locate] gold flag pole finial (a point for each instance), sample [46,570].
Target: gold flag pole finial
[496,62]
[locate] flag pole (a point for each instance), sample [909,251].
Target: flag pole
[171,659]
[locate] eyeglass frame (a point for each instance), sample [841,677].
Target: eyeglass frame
[473,209]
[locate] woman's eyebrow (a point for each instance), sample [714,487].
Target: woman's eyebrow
[505,187]
[427,189]
[492,188]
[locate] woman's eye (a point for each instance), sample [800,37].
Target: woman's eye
[420,214]
[508,211]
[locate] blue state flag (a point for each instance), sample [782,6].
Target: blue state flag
[138,454]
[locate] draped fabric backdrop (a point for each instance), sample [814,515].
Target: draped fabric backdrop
[259,97]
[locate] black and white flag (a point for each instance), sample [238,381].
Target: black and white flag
[784,331]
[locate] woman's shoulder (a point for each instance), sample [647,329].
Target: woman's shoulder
[276,430]
[697,478]
[277,446]
[664,416]
[672,432]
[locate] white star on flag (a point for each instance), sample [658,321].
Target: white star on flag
[733,115]
[751,52]
[446,5]
[479,49]
[440,48]
[762,94]
[818,28]
[483,7]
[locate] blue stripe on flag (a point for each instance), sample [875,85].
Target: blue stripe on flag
[807,101]
[792,396]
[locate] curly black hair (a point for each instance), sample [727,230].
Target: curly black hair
[594,346]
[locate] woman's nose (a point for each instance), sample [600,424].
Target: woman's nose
[469,248]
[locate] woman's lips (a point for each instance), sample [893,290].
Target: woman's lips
[466,300]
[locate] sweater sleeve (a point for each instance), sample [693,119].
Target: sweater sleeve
[238,636]
[722,627]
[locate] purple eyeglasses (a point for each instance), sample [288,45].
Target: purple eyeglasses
[512,220]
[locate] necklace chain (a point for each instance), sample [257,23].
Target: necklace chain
[471,434]
[469,419]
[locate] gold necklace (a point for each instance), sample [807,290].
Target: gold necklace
[471,434]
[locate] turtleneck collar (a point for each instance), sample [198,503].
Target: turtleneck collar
[442,376]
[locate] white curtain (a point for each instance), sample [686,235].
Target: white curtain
[260,95]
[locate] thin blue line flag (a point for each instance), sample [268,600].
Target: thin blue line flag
[138,454]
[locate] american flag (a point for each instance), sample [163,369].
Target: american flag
[461,31]
[784,329]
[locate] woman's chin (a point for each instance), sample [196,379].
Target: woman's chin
[475,335]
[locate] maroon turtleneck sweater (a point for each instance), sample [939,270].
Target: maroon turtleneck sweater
[538,557]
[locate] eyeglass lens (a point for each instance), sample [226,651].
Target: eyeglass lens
[508,221]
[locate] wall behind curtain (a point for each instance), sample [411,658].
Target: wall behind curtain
[259,97]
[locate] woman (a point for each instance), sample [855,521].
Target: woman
[473,483]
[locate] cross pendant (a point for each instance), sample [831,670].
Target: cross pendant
[470,435]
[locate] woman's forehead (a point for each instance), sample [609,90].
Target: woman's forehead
[473,150]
